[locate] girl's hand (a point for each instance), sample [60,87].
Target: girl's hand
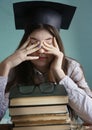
[56,72]
[20,55]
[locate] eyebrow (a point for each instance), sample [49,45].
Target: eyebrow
[44,39]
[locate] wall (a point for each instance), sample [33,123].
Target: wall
[77,40]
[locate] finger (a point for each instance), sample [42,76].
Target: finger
[55,43]
[32,57]
[47,46]
[36,44]
[32,50]
[25,44]
[50,50]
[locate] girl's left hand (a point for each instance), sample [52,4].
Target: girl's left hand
[56,66]
[53,49]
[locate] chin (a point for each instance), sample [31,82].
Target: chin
[41,64]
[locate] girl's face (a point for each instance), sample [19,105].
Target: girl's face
[44,60]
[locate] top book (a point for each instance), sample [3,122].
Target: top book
[37,97]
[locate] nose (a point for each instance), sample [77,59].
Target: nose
[41,50]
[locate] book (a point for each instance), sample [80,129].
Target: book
[47,127]
[38,109]
[58,96]
[28,110]
[40,117]
[39,123]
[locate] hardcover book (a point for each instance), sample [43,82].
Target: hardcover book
[28,110]
[48,127]
[58,96]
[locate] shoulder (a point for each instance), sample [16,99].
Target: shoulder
[72,62]
[74,67]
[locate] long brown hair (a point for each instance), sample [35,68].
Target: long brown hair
[24,72]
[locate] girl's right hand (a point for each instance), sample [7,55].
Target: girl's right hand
[20,55]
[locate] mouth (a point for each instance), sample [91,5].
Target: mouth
[42,58]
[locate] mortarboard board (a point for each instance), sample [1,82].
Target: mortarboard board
[43,12]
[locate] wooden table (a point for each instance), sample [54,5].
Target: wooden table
[5,127]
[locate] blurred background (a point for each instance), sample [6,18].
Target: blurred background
[77,39]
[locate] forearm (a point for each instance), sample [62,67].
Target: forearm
[4,68]
[4,105]
[3,97]
[78,99]
[58,74]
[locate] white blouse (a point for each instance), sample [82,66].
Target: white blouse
[80,95]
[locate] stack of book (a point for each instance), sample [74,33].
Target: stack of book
[38,111]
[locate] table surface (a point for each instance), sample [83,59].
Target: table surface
[6,126]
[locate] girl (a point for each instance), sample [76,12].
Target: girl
[39,58]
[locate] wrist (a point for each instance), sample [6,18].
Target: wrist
[59,75]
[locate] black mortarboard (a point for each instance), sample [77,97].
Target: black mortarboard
[43,12]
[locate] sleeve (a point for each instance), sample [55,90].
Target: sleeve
[79,94]
[4,97]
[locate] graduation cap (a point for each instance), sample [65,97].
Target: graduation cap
[43,12]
